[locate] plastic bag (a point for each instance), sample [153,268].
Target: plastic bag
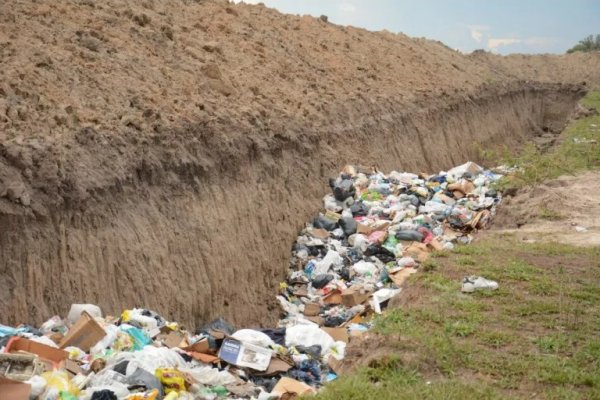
[308,335]
[172,379]
[140,339]
[60,381]
[331,258]
[209,376]
[38,385]
[152,395]
[253,337]
[365,268]
[77,309]
[348,225]
[112,332]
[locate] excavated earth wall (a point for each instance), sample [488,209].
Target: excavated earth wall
[194,243]
[165,154]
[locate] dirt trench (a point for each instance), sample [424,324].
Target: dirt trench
[196,229]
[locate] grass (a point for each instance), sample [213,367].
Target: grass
[578,149]
[537,336]
[538,333]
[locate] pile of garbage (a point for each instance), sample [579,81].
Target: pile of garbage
[374,232]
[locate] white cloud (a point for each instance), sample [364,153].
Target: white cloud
[494,43]
[478,31]
[347,7]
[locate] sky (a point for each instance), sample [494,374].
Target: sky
[500,26]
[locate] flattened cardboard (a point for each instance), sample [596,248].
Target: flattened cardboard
[85,333]
[200,346]
[335,365]
[47,354]
[435,244]
[14,390]
[289,385]
[205,358]
[319,233]
[276,366]
[312,309]
[364,229]
[338,334]
[400,277]
[418,251]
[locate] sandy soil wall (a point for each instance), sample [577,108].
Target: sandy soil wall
[202,229]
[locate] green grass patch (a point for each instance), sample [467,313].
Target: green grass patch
[578,149]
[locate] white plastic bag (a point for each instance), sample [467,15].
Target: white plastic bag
[77,309]
[253,337]
[112,332]
[331,258]
[308,335]
[209,376]
[364,268]
[382,295]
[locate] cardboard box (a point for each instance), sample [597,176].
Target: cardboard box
[333,297]
[72,367]
[312,309]
[289,385]
[354,295]
[51,356]
[172,339]
[84,334]
[245,355]
[14,390]
[20,367]
[338,334]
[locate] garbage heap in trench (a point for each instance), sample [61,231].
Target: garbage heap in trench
[375,231]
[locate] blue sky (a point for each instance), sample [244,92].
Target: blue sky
[501,26]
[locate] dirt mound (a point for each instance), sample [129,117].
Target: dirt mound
[165,153]
[564,210]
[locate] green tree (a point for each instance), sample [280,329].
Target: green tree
[587,44]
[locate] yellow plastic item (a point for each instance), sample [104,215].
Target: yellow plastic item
[126,316]
[60,381]
[172,326]
[172,379]
[171,396]
[144,396]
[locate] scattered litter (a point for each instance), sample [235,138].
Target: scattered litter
[577,140]
[347,263]
[581,229]
[473,283]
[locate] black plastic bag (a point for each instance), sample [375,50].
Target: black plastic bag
[320,281]
[348,225]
